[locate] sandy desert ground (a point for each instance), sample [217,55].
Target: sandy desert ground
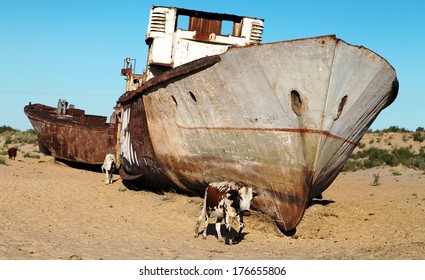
[49,210]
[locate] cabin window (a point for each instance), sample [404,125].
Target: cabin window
[226,27]
[183,22]
[204,26]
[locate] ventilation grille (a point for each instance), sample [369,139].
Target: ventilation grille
[256,33]
[158,22]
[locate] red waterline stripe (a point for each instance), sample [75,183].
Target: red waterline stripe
[293,130]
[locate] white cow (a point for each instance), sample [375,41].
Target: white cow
[225,200]
[108,167]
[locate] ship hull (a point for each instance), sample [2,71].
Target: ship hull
[281,117]
[78,138]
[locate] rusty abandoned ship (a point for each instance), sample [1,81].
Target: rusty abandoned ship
[217,105]
[282,117]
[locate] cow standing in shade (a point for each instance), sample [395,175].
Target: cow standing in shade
[225,200]
[108,167]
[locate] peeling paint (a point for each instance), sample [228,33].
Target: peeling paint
[127,151]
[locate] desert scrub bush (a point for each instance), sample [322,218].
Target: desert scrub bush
[27,137]
[361,145]
[7,140]
[6,128]
[418,136]
[418,161]
[395,128]
[13,136]
[376,181]
[352,165]
[374,157]
[2,160]
[29,155]
[404,155]
[405,138]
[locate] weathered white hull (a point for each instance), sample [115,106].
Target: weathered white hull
[281,117]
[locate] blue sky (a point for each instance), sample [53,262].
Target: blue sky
[74,49]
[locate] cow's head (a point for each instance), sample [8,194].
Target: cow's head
[246,194]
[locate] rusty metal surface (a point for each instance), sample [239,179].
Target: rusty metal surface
[281,117]
[74,137]
[172,74]
[204,27]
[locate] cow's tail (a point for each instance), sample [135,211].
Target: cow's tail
[202,216]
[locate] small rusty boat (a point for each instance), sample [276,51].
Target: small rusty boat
[71,135]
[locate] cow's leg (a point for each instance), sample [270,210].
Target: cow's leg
[227,221]
[238,237]
[204,232]
[198,222]
[218,229]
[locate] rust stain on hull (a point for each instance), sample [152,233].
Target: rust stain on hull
[291,130]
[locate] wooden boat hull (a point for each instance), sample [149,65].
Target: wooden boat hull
[76,138]
[281,117]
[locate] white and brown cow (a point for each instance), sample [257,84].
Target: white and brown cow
[228,201]
[108,167]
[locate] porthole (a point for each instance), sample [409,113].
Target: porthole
[192,96]
[297,103]
[174,99]
[341,107]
